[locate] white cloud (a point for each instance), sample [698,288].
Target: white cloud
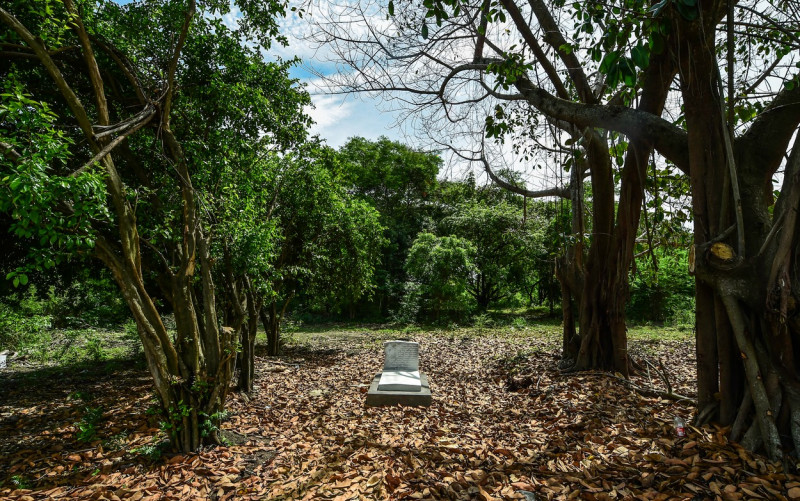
[340,117]
[231,19]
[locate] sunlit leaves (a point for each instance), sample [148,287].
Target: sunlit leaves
[50,209]
[441,266]
[504,243]
[327,244]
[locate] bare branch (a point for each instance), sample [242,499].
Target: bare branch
[113,144]
[10,153]
[173,65]
[91,62]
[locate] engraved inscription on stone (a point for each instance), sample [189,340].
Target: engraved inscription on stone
[400,367]
[401,356]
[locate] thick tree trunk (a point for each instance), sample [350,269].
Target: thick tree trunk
[570,341]
[603,330]
[272,327]
[569,268]
[191,395]
[745,261]
[603,337]
[482,292]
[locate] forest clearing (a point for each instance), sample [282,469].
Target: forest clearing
[504,421]
[573,258]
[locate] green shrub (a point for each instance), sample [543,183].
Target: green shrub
[440,267]
[88,301]
[87,426]
[20,482]
[152,451]
[131,335]
[24,325]
[519,323]
[482,321]
[94,348]
[408,311]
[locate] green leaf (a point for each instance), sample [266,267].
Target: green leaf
[609,61]
[641,56]
[656,43]
[613,76]
[391,8]
[425,31]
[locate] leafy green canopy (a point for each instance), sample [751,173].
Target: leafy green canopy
[35,187]
[327,243]
[400,183]
[441,268]
[501,238]
[232,107]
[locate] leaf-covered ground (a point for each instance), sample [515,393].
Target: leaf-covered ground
[504,424]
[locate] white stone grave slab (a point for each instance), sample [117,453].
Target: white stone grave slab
[401,356]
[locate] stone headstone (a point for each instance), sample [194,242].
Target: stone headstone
[400,367]
[400,382]
[401,356]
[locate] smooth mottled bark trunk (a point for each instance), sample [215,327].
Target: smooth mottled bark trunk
[191,373]
[191,390]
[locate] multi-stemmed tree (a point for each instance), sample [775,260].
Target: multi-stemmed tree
[114,122]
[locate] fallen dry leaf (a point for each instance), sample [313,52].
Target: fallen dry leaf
[504,423]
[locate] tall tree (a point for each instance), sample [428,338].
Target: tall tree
[744,254]
[439,269]
[328,244]
[503,241]
[125,97]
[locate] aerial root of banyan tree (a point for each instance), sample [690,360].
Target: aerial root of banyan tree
[766,403]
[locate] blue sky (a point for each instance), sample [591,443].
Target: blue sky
[340,117]
[337,117]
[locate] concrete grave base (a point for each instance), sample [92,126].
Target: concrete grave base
[421,398]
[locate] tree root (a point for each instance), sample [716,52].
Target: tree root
[645,392]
